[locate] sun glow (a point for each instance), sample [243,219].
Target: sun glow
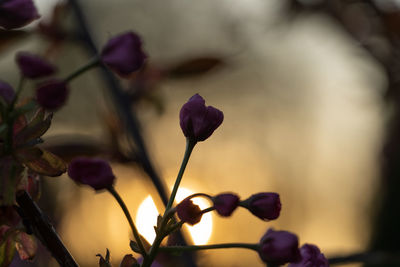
[146,219]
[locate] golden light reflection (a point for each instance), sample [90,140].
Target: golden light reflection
[146,219]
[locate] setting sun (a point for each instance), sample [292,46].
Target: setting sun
[146,218]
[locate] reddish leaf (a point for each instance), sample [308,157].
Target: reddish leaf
[31,184]
[7,247]
[19,124]
[25,245]
[35,128]
[25,155]
[48,164]
[192,67]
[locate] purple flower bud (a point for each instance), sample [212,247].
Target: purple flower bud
[33,66]
[189,212]
[197,121]
[279,247]
[311,256]
[52,94]
[225,204]
[94,172]
[123,53]
[266,206]
[17,13]
[6,92]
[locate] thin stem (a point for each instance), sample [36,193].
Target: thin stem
[129,218]
[214,246]
[189,148]
[90,64]
[153,250]
[207,210]
[200,195]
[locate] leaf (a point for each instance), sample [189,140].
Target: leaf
[48,164]
[7,247]
[10,173]
[19,124]
[26,155]
[9,38]
[29,106]
[128,261]
[35,129]
[31,184]
[193,67]
[25,245]
[104,262]
[134,246]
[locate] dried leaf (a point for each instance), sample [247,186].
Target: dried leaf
[25,245]
[195,66]
[26,107]
[48,164]
[35,129]
[7,247]
[28,154]
[19,124]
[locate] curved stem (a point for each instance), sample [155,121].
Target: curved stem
[90,64]
[214,246]
[189,148]
[207,210]
[200,195]
[129,218]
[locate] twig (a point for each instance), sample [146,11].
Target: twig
[124,108]
[44,230]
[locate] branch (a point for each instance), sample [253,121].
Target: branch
[44,230]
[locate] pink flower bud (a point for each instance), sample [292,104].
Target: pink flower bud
[189,212]
[123,53]
[311,256]
[33,66]
[279,247]
[197,120]
[94,172]
[266,206]
[225,204]
[17,13]
[6,92]
[52,94]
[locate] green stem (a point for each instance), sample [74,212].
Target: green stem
[8,144]
[153,250]
[17,93]
[90,64]
[189,148]
[168,210]
[136,234]
[207,210]
[214,246]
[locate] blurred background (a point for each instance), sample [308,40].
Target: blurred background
[302,85]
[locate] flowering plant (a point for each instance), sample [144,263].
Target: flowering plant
[23,160]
